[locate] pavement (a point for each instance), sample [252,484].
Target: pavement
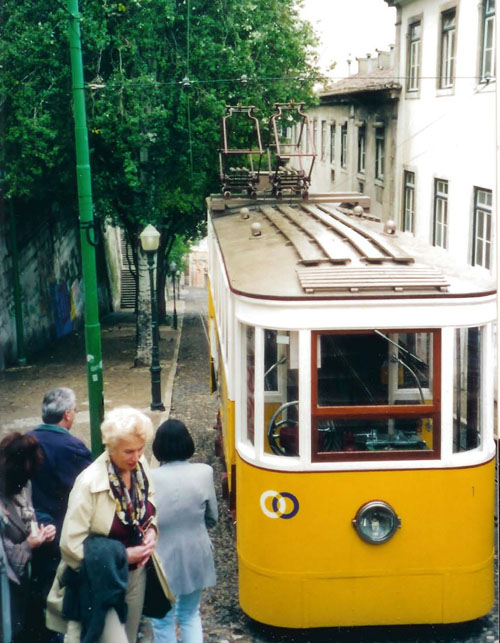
[63,364]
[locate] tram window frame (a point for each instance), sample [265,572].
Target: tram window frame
[431,411]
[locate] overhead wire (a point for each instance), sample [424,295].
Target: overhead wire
[187,81]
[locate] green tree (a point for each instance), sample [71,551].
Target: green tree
[159,74]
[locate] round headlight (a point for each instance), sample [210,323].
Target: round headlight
[376,522]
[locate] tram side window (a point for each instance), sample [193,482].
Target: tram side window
[281,392]
[375,391]
[249,378]
[467,399]
[271,360]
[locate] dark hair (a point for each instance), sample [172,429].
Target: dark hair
[55,404]
[20,459]
[173,442]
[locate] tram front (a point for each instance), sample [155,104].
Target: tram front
[364,447]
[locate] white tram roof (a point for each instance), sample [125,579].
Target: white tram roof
[318,248]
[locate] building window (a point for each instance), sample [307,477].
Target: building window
[361,149]
[379,152]
[447,59]
[315,137]
[343,145]
[414,37]
[409,202]
[488,41]
[361,187]
[440,235]
[481,252]
[332,142]
[323,140]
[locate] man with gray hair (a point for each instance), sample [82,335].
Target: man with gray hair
[64,457]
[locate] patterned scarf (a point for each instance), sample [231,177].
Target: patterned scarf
[130,506]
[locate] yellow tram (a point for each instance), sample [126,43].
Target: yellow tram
[355,371]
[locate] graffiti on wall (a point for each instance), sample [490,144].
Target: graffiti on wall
[61,308]
[67,306]
[77,300]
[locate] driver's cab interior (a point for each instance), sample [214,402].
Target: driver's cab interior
[373,393]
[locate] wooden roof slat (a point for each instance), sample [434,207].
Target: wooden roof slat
[366,249]
[375,238]
[371,278]
[333,249]
[308,252]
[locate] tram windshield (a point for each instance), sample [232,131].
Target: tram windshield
[375,392]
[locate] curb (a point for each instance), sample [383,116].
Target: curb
[169,385]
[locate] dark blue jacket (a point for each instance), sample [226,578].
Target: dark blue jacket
[99,585]
[64,457]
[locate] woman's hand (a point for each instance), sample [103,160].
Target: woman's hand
[140,554]
[150,536]
[43,534]
[50,532]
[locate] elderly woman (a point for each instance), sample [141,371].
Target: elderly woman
[112,498]
[185,510]
[20,458]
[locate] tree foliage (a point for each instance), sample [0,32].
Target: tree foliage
[35,93]
[153,139]
[158,75]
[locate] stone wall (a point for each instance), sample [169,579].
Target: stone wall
[51,282]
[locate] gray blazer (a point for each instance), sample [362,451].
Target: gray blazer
[186,506]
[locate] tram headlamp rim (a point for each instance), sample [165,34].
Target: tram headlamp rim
[364,511]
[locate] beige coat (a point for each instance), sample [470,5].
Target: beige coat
[91,510]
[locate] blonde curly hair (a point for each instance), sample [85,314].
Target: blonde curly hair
[123,423]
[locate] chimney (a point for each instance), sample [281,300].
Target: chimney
[383,59]
[369,63]
[362,66]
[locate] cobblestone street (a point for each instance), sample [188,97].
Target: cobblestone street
[184,359]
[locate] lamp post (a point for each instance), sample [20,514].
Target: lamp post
[173,270]
[150,240]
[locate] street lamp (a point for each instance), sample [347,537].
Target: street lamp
[150,240]
[173,271]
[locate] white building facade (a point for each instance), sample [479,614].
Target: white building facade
[354,131]
[445,157]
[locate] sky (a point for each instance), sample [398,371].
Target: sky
[349,29]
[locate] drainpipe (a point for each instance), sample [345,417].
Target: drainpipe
[18,306]
[87,235]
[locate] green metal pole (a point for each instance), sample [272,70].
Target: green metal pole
[18,306]
[87,234]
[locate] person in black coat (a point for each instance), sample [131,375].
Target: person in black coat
[64,458]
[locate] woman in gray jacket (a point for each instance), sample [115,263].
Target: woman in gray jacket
[186,506]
